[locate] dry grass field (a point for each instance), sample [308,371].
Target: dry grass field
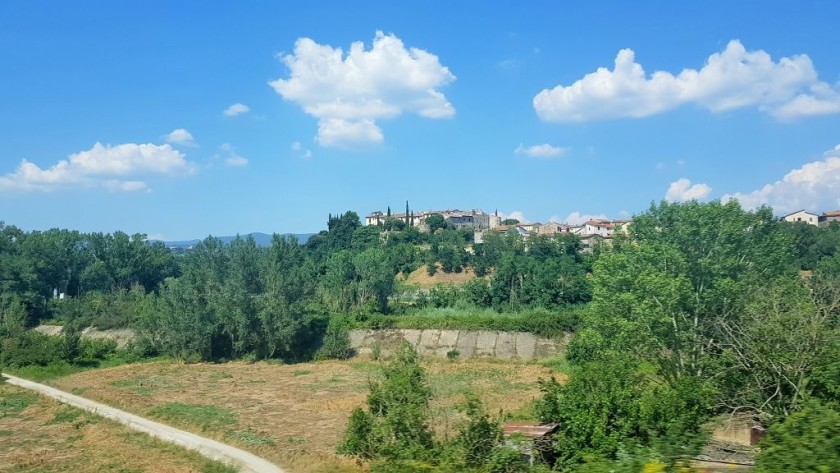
[41,435]
[294,415]
[420,278]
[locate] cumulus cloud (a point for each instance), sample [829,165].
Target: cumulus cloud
[348,93]
[814,186]
[301,151]
[237,109]
[180,136]
[232,158]
[733,78]
[577,218]
[516,214]
[683,190]
[541,151]
[115,168]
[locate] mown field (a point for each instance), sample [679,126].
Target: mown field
[41,435]
[294,415]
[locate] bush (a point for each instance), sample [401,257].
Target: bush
[395,426]
[608,407]
[806,441]
[506,460]
[479,435]
[93,349]
[31,348]
[336,340]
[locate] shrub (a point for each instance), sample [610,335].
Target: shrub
[336,340]
[479,435]
[806,441]
[506,460]
[31,348]
[395,426]
[609,406]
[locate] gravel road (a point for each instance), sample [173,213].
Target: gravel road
[240,459]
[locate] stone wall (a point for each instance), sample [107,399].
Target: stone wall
[468,343]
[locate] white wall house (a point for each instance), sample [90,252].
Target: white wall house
[802,216]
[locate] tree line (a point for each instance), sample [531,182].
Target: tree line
[703,309]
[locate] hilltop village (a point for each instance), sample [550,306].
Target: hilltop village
[590,232]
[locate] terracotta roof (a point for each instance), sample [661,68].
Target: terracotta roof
[531,430]
[600,223]
[833,213]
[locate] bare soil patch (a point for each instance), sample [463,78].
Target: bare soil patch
[38,434]
[294,415]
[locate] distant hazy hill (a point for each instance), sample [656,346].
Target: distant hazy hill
[262,239]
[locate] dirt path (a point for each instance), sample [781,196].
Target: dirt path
[244,461]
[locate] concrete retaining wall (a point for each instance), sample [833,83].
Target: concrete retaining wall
[468,343]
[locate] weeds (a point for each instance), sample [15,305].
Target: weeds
[205,416]
[249,437]
[12,404]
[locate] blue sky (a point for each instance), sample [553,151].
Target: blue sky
[114,115]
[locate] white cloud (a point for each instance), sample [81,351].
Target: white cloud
[541,151]
[349,93]
[180,136]
[237,109]
[112,167]
[340,132]
[300,151]
[232,158]
[577,218]
[516,214]
[236,161]
[815,186]
[734,78]
[683,190]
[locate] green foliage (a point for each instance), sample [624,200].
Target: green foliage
[507,460]
[13,403]
[31,348]
[479,435]
[359,439]
[249,437]
[772,352]
[609,406]
[395,425]
[541,322]
[205,416]
[436,222]
[336,340]
[806,441]
[235,301]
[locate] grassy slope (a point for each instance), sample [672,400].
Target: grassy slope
[420,278]
[294,415]
[38,434]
